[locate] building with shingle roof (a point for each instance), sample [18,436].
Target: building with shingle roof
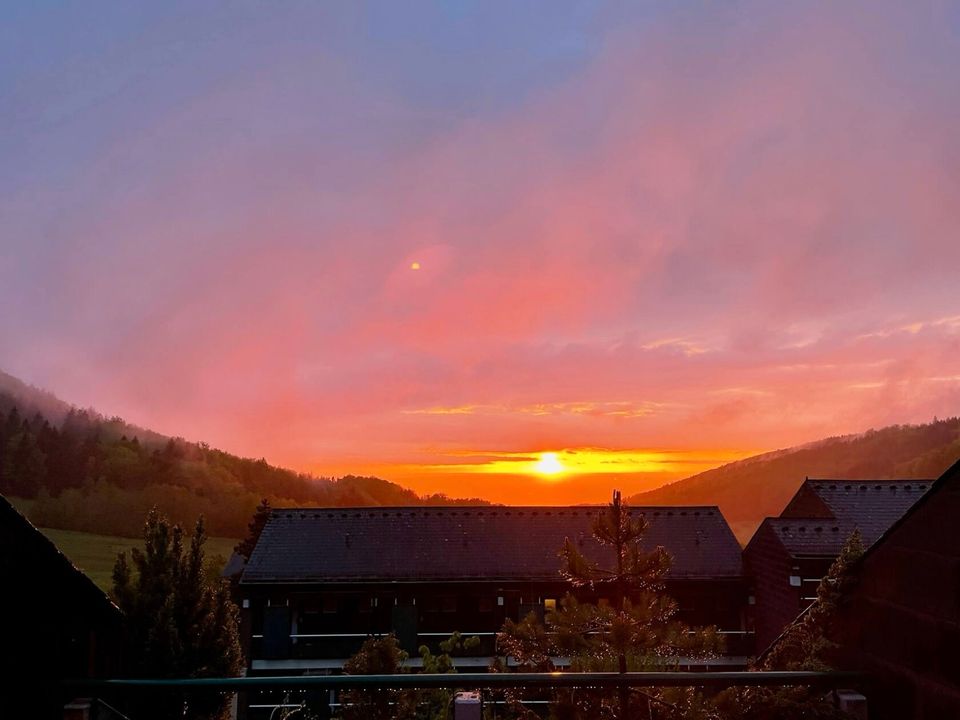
[405,544]
[788,555]
[320,580]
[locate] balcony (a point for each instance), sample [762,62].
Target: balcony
[260,697]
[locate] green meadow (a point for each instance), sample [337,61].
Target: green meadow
[96,554]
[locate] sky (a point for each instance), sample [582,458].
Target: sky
[525,251]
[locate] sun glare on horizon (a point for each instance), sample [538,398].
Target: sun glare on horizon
[549,464]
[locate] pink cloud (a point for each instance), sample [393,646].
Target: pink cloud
[724,225]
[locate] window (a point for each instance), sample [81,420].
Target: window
[448,604]
[485,604]
[330,604]
[550,604]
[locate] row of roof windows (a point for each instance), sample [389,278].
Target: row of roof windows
[908,487]
[803,528]
[480,513]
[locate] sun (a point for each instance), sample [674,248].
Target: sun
[549,464]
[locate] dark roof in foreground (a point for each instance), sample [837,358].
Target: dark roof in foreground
[872,506]
[28,559]
[470,543]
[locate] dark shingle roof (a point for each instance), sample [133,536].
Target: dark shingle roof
[872,506]
[29,559]
[453,543]
[811,536]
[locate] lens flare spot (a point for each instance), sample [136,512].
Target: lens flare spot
[414,266]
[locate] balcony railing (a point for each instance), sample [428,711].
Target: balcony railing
[262,695]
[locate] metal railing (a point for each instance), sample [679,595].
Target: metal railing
[263,696]
[454,681]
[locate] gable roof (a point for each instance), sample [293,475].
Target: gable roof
[301,545]
[811,536]
[941,535]
[872,506]
[29,559]
[935,492]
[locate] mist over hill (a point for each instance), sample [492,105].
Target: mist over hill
[749,490]
[79,470]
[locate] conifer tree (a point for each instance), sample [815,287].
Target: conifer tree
[261,515]
[177,624]
[630,625]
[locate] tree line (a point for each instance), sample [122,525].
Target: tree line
[102,475]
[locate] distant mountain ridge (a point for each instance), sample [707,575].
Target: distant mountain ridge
[75,469]
[30,399]
[760,486]
[82,471]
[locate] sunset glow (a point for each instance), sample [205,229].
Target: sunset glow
[492,251]
[549,464]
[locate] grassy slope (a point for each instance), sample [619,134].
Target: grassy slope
[95,554]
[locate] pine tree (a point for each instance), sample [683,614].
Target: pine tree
[261,515]
[631,625]
[177,623]
[24,469]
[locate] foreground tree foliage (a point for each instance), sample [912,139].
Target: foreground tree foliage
[179,622]
[378,656]
[384,656]
[631,625]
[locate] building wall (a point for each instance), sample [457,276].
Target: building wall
[775,602]
[903,622]
[327,623]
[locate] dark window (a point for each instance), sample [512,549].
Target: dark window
[329,604]
[485,604]
[448,604]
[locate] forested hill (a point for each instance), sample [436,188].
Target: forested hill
[750,490]
[82,471]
